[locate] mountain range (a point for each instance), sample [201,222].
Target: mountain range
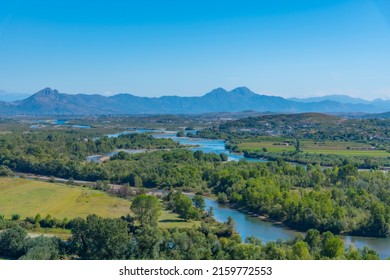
[51,102]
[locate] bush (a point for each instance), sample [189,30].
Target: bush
[5,171]
[48,222]
[15,217]
[42,248]
[30,220]
[222,198]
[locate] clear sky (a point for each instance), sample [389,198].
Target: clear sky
[153,48]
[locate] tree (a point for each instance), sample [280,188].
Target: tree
[301,251]
[210,212]
[222,198]
[198,155]
[333,246]
[137,181]
[199,202]
[377,223]
[6,171]
[313,239]
[230,225]
[12,242]
[223,156]
[298,145]
[120,156]
[346,171]
[100,238]
[183,206]
[42,248]
[146,209]
[369,254]
[148,240]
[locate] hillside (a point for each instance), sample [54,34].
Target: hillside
[285,121]
[385,115]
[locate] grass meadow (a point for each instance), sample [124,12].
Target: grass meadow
[29,197]
[312,147]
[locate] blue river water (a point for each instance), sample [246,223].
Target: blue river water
[42,123]
[206,145]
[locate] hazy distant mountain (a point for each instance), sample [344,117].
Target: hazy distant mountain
[379,105]
[9,97]
[385,115]
[50,102]
[333,97]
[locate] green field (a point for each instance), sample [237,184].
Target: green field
[29,197]
[312,147]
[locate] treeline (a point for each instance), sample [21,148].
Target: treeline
[363,162]
[63,153]
[44,145]
[99,238]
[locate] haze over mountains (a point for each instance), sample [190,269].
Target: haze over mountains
[334,97]
[10,96]
[51,102]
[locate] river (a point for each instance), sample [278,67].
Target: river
[205,145]
[195,144]
[43,123]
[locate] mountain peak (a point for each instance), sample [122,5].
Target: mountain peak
[244,91]
[47,92]
[46,95]
[216,92]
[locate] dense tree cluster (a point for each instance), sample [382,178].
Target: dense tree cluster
[65,145]
[63,153]
[106,239]
[364,162]
[340,199]
[186,207]
[15,244]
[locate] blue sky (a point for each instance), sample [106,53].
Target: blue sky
[154,48]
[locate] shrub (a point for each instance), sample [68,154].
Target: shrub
[15,217]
